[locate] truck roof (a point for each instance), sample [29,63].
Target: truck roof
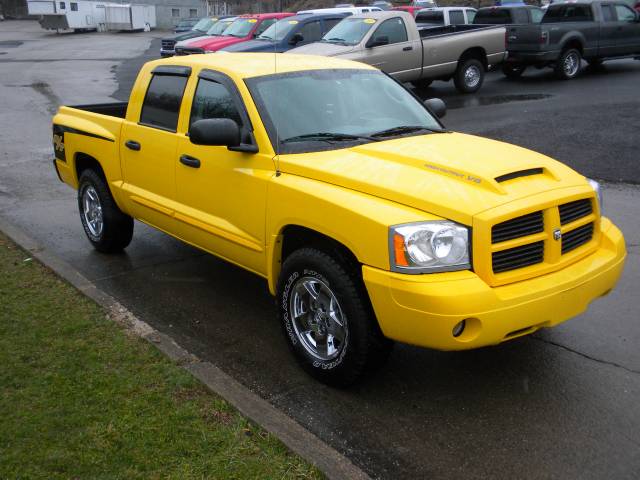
[384,14]
[247,65]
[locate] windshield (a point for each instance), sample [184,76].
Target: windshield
[219,27]
[349,31]
[279,30]
[335,103]
[203,24]
[241,27]
[435,18]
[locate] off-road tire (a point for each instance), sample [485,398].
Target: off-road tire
[117,229]
[365,349]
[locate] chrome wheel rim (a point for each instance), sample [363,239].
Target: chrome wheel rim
[92,211]
[317,318]
[472,76]
[571,64]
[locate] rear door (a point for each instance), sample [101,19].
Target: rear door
[148,148]
[628,32]
[400,56]
[608,30]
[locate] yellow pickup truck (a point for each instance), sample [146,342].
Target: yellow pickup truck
[370,221]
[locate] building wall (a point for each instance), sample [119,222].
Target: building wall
[170,12]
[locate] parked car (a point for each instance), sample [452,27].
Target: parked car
[570,32]
[412,10]
[216,30]
[509,15]
[289,33]
[392,42]
[185,25]
[243,29]
[382,4]
[435,17]
[167,44]
[347,10]
[373,224]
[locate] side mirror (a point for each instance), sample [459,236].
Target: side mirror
[296,38]
[215,131]
[436,106]
[378,41]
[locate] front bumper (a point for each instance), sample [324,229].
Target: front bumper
[423,309]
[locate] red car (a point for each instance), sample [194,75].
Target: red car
[245,28]
[412,10]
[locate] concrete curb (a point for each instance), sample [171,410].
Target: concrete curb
[298,439]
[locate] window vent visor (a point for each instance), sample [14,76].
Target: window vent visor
[520,173]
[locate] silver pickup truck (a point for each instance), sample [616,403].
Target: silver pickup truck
[392,42]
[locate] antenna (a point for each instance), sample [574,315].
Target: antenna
[275,70]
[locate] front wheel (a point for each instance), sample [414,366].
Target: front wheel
[568,65]
[469,76]
[513,70]
[327,318]
[107,227]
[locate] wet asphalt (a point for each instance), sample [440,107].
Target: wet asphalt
[562,403]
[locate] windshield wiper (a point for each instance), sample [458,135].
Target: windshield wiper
[328,137]
[403,129]
[262,37]
[335,40]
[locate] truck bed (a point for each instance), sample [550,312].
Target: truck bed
[115,109]
[426,32]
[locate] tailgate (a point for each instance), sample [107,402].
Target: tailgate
[525,38]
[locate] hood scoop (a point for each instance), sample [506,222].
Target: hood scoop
[520,173]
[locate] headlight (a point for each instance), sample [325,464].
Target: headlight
[435,246]
[596,186]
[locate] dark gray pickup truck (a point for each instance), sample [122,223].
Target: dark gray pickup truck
[569,32]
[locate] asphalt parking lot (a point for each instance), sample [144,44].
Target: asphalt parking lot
[562,403]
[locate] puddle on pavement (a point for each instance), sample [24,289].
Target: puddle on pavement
[10,43]
[462,102]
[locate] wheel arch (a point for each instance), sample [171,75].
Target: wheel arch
[478,53]
[573,42]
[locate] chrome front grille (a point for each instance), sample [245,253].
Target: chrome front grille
[168,44]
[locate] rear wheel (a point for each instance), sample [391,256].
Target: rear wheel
[469,76]
[568,65]
[107,227]
[513,70]
[327,318]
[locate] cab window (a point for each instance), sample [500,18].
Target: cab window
[607,14]
[520,15]
[213,100]
[471,14]
[625,14]
[162,102]
[264,25]
[311,32]
[394,29]
[536,15]
[456,17]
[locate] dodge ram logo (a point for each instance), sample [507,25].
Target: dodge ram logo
[58,143]
[557,234]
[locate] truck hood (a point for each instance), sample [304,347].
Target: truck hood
[256,46]
[452,175]
[216,43]
[324,49]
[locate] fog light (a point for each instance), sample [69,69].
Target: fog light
[459,328]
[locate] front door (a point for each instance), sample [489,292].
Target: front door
[399,56]
[628,33]
[608,31]
[222,193]
[148,150]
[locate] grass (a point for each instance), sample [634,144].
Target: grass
[80,398]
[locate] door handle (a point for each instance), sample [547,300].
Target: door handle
[406,49]
[132,145]
[190,161]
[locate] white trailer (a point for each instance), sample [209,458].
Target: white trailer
[130,17]
[79,15]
